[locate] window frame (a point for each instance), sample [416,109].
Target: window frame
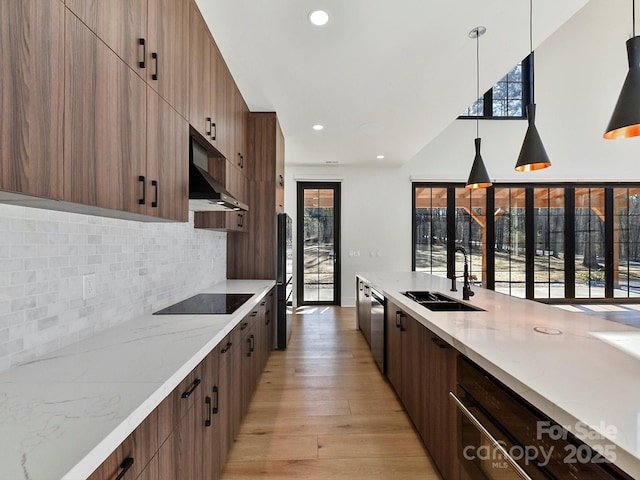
[527,95]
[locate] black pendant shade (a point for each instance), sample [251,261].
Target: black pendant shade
[625,121]
[478,178]
[532,156]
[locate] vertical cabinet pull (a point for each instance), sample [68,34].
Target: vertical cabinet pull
[143,44]
[143,200]
[207,126]
[194,385]
[253,343]
[216,405]
[250,349]
[207,402]
[215,131]
[281,180]
[126,464]
[154,183]
[267,317]
[240,220]
[154,55]
[240,160]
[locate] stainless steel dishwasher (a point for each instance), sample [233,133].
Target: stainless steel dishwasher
[378,306]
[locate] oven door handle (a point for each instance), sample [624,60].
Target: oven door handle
[462,407]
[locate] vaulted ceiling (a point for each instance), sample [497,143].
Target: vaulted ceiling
[384,77]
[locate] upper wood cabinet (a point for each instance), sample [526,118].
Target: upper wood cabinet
[126,148]
[167,54]
[104,124]
[201,73]
[167,160]
[151,36]
[121,24]
[31,97]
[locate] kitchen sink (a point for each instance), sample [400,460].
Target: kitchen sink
[437,302]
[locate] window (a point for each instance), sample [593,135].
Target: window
[507,98]
[544,242]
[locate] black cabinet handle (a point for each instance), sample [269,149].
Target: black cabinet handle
[244,325]
[207,126]
[281,180]
[195,384]
[207,402]
[239,160]
[143,44]
[226,347]
[143,200]
[126,464]
[215,131]
[398,315]
[263,303]
[254,313]
[250,349]
[253,343]
[240,220]
[154,55]
[268,317]
[242,161]
[438,342]
[154,183]
[402,317]
[217,404]
[361,286]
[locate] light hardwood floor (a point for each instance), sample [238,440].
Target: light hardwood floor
[323,410]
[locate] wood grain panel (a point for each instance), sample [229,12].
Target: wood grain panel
[105,131]
[167,160]
[31,93]
[118,23]
[168,24]
[140,446]
[200,73]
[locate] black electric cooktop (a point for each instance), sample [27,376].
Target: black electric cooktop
[207,304]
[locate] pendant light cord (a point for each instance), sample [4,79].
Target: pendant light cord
[478,80]
[532,82]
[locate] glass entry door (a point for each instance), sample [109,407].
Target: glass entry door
[318,224]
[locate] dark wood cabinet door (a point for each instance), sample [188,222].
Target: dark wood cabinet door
[168,54]
[439,421]
[180,455]
[210,416]
[132,456]
[412,370]
[121,24]
[224,417]
[167,160]
[235,383]
[31,97]
[223,105]
[105,131]
[393,322]
[200,74]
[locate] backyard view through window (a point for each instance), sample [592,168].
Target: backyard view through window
[318,206]
[541,241]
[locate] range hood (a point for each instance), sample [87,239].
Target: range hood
[206,194]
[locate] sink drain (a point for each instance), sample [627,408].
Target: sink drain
[548,331]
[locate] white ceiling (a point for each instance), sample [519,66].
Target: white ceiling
[383,76]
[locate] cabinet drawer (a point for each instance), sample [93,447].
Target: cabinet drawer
[133,455]
[178,403]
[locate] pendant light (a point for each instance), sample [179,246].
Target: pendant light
[625,121]
[478,178]
[532,156]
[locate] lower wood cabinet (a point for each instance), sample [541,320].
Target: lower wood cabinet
[134,455]
[421,368]
[189,435]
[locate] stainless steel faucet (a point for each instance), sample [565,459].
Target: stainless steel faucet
[466,288]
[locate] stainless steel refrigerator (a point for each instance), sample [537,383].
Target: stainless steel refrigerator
[284,280]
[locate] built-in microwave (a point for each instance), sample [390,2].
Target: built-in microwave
[502,437]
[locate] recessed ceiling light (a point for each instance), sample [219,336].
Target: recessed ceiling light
[319,17]
[318,127]
[380,157]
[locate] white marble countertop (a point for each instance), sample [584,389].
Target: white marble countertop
[62,415]
[576,378]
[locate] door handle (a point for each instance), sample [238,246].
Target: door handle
[207,402]
[194,385]
[154,55]
[142,43]
[126,464]
[143,200]
[154,183]
[216,392]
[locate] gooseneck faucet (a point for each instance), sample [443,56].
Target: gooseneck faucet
[466,288]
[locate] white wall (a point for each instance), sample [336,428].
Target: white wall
[139,268]
[579,72]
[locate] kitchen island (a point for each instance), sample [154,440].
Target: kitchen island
[573,376]
[62,415]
